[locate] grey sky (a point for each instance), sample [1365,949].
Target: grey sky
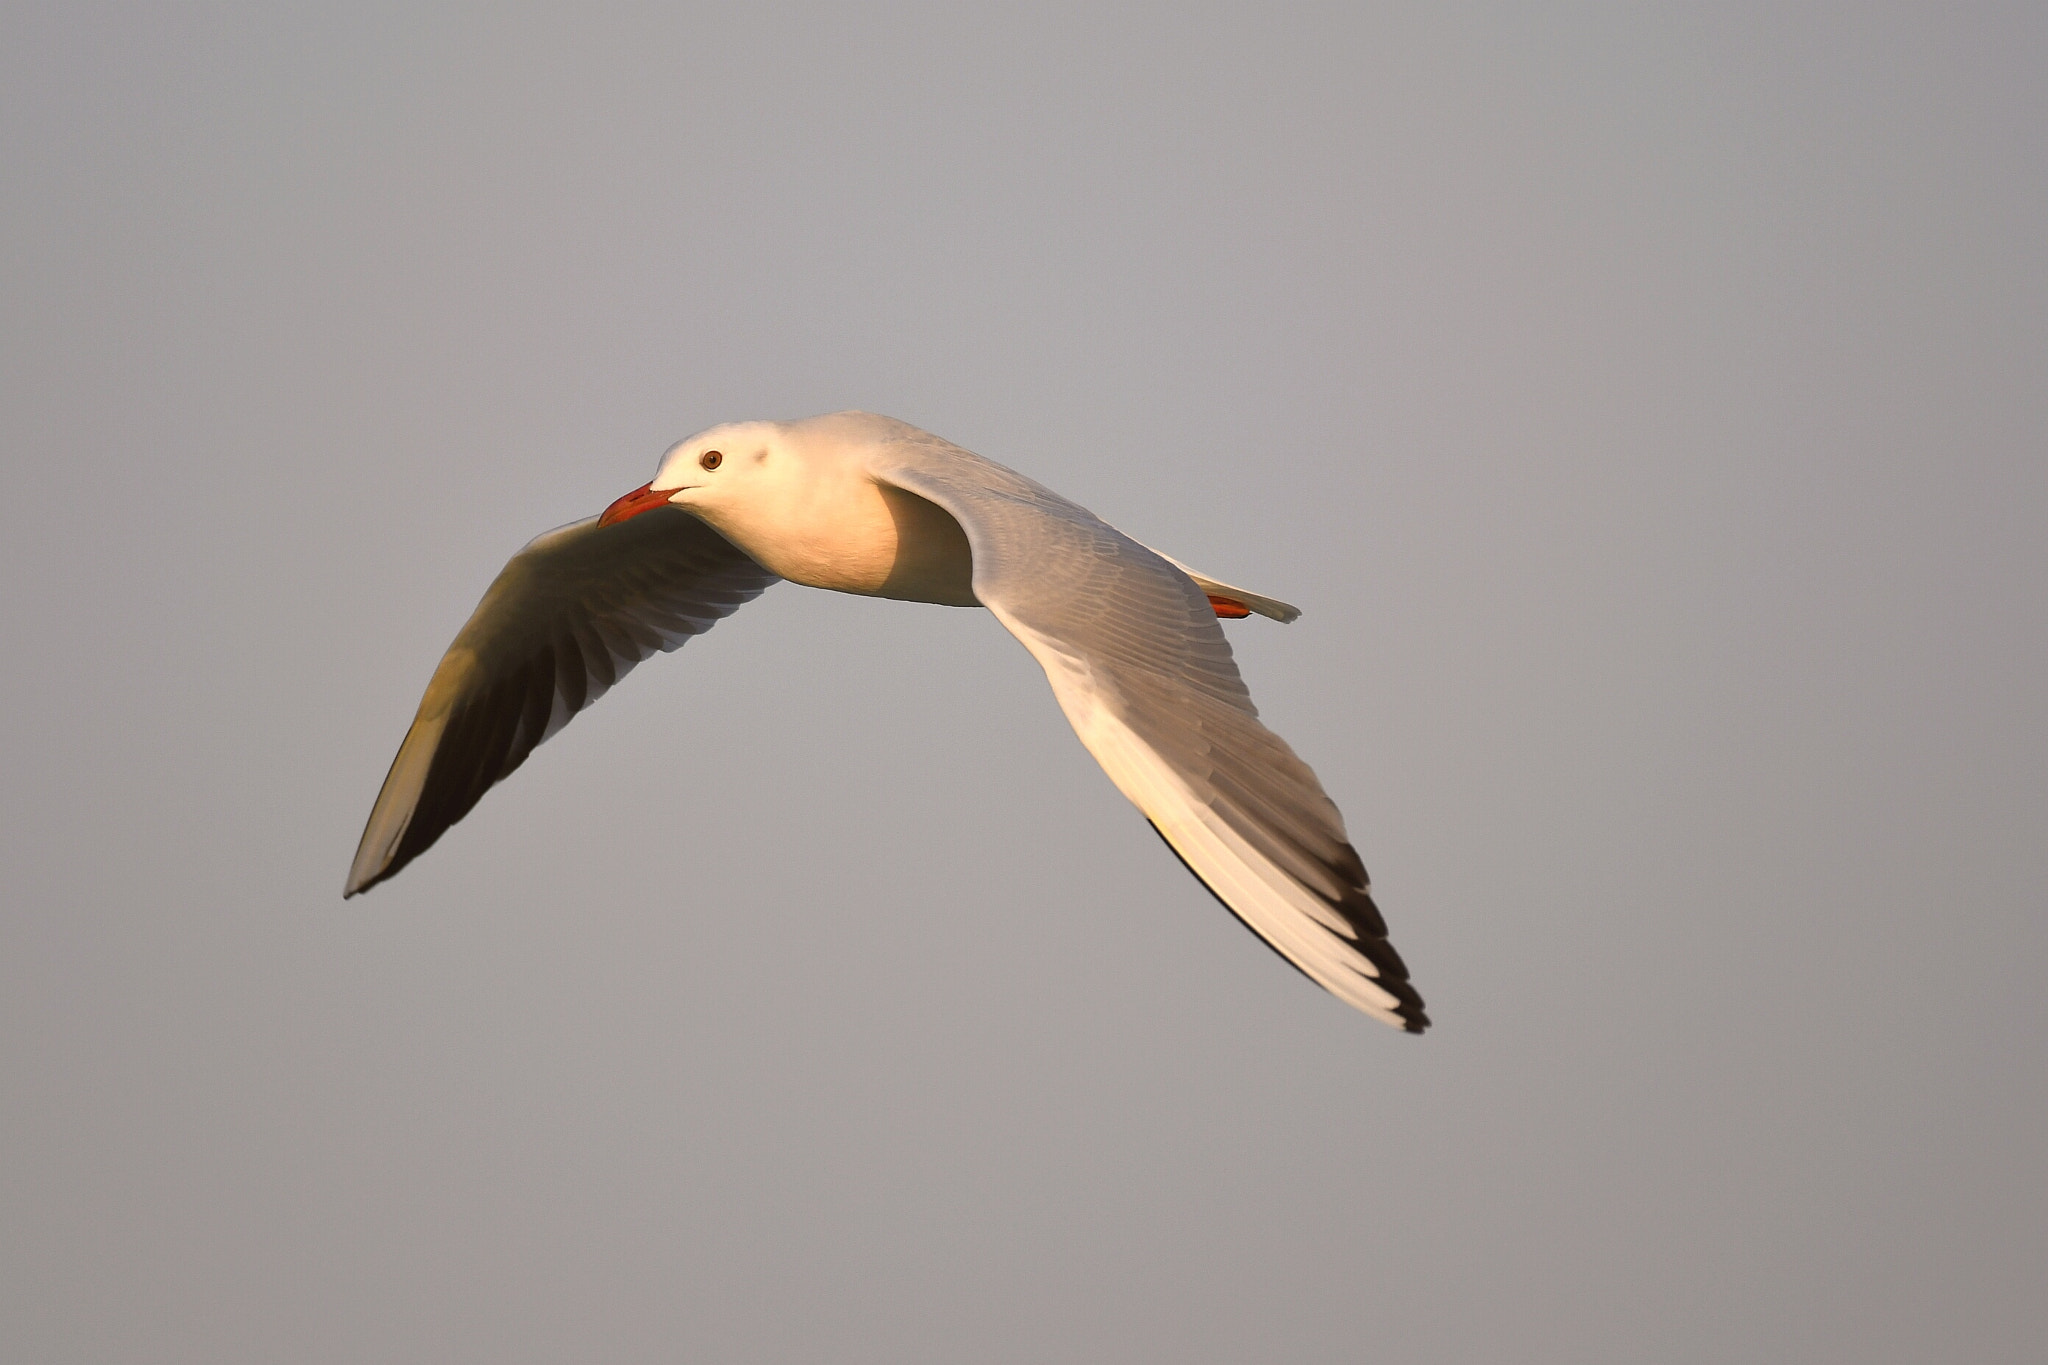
[1647,407]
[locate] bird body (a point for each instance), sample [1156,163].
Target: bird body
[853,502]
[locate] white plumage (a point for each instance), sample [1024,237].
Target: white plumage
[858,503]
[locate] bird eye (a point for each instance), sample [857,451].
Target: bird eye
[710,459]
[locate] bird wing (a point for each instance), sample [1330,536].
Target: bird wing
[1143,672]
[566,618]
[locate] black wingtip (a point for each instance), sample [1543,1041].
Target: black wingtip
[1393,973]
[351,889]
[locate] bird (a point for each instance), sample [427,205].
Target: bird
[859,503]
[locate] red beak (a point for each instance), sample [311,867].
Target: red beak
[641,499]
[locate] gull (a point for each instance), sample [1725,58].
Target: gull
[859,503]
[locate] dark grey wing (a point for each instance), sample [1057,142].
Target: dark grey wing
[1146,678]
[567,617]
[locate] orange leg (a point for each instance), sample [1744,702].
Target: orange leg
[1229,608]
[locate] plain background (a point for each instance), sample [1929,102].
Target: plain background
[1647,405]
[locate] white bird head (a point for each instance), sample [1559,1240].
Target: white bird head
[725,466]
[798,498]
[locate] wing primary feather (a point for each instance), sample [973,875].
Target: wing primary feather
[1204,883]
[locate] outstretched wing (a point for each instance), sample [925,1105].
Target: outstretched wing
[567,617]
[1144,674]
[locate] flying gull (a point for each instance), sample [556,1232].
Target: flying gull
[865,504]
